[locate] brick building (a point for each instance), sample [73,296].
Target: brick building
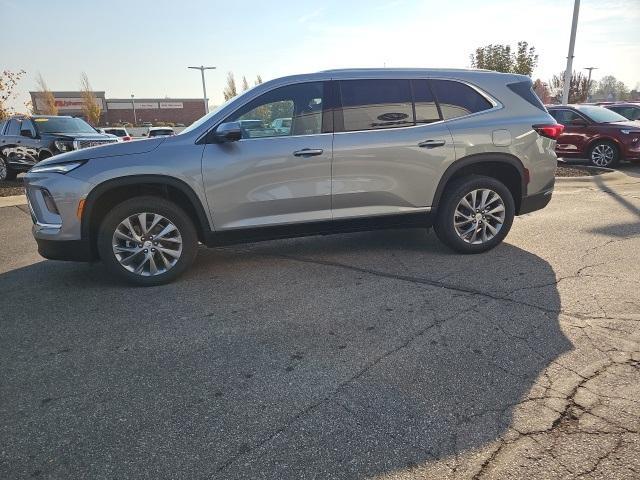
[121,110]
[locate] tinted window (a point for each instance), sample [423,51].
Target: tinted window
[525,90]
[28,125]
[14,127]
[457,99]
[426,109]
[376,104]
[291,110]
[2,125]
[565,117]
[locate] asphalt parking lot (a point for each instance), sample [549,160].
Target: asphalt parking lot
[371,355]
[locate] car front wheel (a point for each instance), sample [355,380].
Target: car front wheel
[147,241]
[604,154]
[6,172]
[475,214]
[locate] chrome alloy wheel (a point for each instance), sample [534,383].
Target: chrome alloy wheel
[602,155]
[147,244]
[479,216]
[3,169]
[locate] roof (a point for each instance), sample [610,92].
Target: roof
[405,70]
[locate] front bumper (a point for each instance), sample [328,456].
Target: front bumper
[73,250]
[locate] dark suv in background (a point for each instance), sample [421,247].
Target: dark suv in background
[597,133]
[24,141]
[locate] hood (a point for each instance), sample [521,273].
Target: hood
[110,150]
[627,124]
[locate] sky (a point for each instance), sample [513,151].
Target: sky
[143,47]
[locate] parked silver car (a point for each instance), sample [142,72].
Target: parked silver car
[460,150]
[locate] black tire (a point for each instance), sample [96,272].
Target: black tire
[6,172]
[173,213]
[606,145]
[446,214]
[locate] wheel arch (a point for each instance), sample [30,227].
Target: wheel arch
[502,166]
[116,190]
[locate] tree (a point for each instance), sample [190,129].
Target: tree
[48,105]
[8,82]
[542,91]
[610,88]
[245,84]
[258,80]
[578,87]
[230,90]
[501,58]
[90,106]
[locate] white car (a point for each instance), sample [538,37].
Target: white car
[160,132]
[119,132]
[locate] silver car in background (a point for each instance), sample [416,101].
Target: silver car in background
[460,150]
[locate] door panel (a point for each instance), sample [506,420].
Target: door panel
[379,172]
[259,182]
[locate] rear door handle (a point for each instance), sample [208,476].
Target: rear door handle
[308,152]
[431,143]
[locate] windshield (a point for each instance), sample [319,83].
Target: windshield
[204,119]
[600,114]
[62,125]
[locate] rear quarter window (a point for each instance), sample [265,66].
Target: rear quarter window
[525,91]
[457,99]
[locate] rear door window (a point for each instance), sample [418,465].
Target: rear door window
[457,99]
[375,105]
[14,127]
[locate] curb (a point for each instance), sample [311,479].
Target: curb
[608,174]
[13,201]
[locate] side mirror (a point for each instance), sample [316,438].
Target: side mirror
[579,122]
[26,133]
[228,132]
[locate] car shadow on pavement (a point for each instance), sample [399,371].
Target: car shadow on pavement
[330,357]
[620,230]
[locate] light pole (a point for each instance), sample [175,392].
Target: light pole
[572,43]
[589,82]
[133,104]
[204,87]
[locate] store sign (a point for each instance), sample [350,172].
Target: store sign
[65,104]
[128,106]
[171,105]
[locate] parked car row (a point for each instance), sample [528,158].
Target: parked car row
[600,133]
[25,141]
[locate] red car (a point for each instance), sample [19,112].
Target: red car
[596,133]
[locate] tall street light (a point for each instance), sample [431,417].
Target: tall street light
[589,82]
[133,104]
[204,87]
[572,43]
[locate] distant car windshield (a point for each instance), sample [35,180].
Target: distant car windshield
[62,125]
[600,114]
[115,131]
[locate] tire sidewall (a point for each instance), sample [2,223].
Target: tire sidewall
[444,222]
[616,154]
[4,176]
[151,205]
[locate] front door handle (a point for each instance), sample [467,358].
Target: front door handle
[431,143]
[308,152]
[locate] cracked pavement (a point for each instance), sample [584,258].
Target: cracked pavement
[375,355]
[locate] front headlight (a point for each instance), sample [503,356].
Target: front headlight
[63,146]
[629,132]
[56,167]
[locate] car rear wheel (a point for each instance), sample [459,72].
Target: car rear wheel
[475,214]
[147,241]
[604,154]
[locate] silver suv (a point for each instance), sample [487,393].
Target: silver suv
[462,151]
